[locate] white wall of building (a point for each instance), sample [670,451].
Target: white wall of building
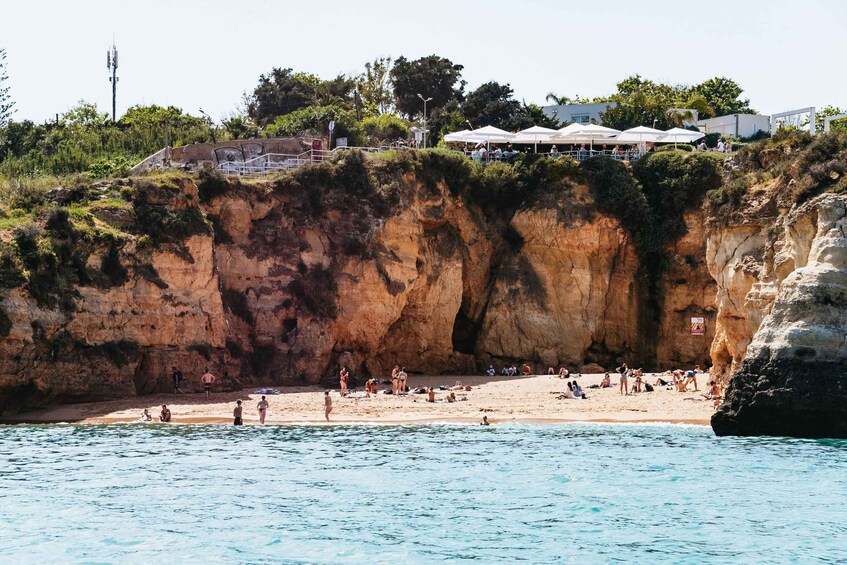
[737,125]
[577,113]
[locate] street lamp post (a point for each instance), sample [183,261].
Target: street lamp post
[425,100]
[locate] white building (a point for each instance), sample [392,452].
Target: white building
[590,113]
[738,125]
[578,113]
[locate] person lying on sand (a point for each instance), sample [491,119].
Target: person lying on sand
[457,386]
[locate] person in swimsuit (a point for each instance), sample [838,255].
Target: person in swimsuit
[691,377]
[343,380]
[207,379]
[145,416]
[176,376]
[403,377]
[395,379]
[327,405]
[484,421]
[236,414]
[262,406]
[623,370]
[165,414]
[607,381]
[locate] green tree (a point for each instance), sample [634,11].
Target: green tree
[830,111]
[240,127]
[532,115]
[7,105]
[432,77]
[384,128]
[280,92]
[374,86]
[314,120]
[491,105]
[723,96]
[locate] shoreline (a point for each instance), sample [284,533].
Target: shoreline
[535,399]
[200,421]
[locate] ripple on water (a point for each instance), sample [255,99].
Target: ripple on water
[417,494]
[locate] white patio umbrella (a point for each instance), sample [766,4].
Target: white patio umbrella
[534,135]
[464,135]
[680,135]
[491,133]
[641,134]
[579,133]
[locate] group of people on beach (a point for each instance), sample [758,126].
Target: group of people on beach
[177,378]
[261,407]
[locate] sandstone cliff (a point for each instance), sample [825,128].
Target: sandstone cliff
[418,259]
[793,376]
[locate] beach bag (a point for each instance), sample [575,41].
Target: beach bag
[648,387]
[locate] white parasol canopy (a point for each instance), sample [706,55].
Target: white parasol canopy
[680,135]
[640,134]
[464,135]
[581,133]
[491,133]
[534,135]
[595,131]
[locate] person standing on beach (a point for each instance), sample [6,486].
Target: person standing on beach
[236,414]
[262,406]
[624,371]
[207,379]
[327,405]
[344,378]
[176,375]
[165,414]
[403,376]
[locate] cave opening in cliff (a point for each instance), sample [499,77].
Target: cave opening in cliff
[465,331]
[289,325]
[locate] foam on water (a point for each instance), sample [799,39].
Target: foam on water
[417,494]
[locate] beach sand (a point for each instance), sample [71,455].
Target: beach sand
[502,399]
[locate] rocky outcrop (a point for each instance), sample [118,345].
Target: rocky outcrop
[793,377]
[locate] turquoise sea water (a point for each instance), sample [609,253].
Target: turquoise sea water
[577,493]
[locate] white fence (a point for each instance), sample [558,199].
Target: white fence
[270,163]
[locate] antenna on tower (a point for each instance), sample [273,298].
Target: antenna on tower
[112,65]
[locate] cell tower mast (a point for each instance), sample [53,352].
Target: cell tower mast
[112,65]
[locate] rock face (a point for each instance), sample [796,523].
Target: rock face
[288,280]
[568,296]
[793,377]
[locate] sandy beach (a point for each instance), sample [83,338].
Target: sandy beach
[502,399]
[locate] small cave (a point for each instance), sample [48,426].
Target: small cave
[289,326]
[465,333]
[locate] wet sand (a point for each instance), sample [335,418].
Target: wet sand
[531,399]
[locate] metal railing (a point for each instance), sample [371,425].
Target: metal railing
[577,155]
[270,163]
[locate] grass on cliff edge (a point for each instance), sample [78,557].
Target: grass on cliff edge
[791,166]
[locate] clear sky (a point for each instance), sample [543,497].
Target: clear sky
[204,54]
